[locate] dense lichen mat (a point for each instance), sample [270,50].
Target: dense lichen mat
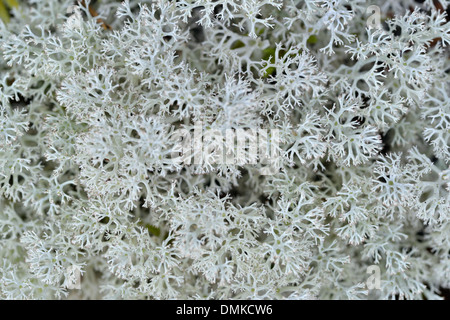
[227,149]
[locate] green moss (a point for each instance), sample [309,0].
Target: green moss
[269,53]
[4,12]
[312,39]
[153,230]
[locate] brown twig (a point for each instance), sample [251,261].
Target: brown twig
[94,13]
[438,5]
[440,9]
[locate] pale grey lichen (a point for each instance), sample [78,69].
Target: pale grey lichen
[92,204]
